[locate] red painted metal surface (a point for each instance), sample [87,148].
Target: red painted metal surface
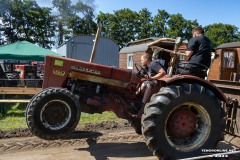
[58,68]
[120,82]
[181,123]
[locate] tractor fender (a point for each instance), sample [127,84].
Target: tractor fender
[194,79]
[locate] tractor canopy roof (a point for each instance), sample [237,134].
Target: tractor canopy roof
[144,44]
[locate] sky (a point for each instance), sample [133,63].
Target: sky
[204,11]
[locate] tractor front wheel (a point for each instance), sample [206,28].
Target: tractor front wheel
[181,120]
[53,113]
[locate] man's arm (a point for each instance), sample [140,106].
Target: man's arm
[190,47]
[188,53]
[160,74]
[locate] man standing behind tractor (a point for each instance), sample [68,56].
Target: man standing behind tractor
[198,53]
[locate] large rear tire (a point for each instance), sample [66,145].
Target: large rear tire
[53,113]
[181,120]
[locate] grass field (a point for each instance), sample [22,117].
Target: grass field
[14,117]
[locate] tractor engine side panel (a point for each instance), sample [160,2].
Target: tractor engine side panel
[58,69]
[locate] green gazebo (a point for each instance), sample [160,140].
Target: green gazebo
[24,50]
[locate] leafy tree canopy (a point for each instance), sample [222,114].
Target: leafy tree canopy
[73,19]
[220,33]
[126,25]
[25,20]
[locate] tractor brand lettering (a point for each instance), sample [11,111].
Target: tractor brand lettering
[85,70]
[58,72]
[58,62]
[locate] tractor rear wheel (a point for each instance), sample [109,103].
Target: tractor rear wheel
[53,113]
[181,120]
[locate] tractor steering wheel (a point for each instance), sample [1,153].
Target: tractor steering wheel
[140,71]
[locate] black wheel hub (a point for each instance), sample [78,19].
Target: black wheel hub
[55,113]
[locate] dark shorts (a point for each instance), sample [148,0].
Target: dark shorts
[152,83]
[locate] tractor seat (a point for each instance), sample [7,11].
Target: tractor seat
[190,68]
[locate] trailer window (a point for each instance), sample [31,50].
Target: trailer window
[130,61]
[229,60]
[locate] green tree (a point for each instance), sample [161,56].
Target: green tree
[221,33]
[73,19]
[120,26]
[159,25]
[110,27]
[4,13]
[190,25]
[180,27]
[144,28]
[25,20]
[84,25]
[127,23]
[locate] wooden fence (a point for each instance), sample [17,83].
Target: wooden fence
[17,91]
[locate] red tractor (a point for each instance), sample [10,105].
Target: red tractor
[182,116]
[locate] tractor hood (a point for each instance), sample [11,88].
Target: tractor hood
[58,69]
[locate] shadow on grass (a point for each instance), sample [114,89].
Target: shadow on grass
[12,109]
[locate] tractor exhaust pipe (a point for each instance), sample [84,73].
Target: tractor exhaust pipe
[95,41]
